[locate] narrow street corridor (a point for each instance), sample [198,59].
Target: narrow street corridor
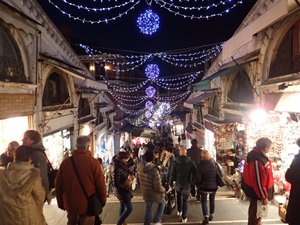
[229,210]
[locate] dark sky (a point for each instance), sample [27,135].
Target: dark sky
[174,33]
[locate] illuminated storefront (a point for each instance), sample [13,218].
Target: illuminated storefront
[12,129]
[58,146]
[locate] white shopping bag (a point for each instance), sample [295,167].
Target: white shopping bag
[262,210]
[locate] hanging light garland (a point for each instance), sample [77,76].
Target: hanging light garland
[152,71]
[187,60]
[189,9]
[149,105]
[148,22]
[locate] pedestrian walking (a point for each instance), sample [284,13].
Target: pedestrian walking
[69,192]
[183,172]
[21,192]
[195,154]
[293,176]
[39,158]
[152,189]
[258,181]
[206,182]
[122,184]
[8,156]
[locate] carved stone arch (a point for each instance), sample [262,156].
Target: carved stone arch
[56,90]
[271,40]
[11,61]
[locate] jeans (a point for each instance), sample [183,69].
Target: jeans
[125,210]
[182,202]
[158,214]
[252,219]
[212,196]
[74,219]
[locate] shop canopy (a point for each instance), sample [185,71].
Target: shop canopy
[199,97]
[226,71]
[288,102]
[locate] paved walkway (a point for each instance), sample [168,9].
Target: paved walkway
[229,210]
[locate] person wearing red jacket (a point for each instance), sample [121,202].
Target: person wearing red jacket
[69,193]
[258,181]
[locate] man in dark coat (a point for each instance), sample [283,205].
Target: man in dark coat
[183,172]
[293,176]
[195,154]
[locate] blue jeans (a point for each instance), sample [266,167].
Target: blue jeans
[125,210]
[182,202]
[212,196]
[158,214]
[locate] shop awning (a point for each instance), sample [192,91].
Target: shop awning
[288,102]
[201,86]
[64,66]
[127,128]
[226,71]
[86,119]
[198,98]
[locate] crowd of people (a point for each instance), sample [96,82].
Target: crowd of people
[158,169]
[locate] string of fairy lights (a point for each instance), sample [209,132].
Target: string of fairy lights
[148,22]
[150,105]
[187,60]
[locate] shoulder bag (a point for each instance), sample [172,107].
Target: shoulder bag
[94,204]
[220,179]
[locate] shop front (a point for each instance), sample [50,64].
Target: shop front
[12,129]
[58,146]
[283,129]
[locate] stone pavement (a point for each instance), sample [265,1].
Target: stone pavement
[229,210]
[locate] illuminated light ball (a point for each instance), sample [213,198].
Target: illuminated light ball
[150,91]
[152,71]
[148,114]
[149,105]
[148,22]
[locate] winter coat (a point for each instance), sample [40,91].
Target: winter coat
[293,176]
[183,173]
[40,160]
[69,193]
[258,181]
[21,195]
[150,181]
[120,173]
[195,153]
[207,175]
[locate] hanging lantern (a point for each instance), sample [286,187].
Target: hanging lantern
[148,22]
[150,91]
[152,71]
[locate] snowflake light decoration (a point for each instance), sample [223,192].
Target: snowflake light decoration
[148,22]
[148,114]
[149,105]
[152,71]
[150,91]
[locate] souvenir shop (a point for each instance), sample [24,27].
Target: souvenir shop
[283,129]
[58,146]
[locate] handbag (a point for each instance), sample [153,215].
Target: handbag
[128,182]
[282,208]
[170,201]
[94,204]
[220,179]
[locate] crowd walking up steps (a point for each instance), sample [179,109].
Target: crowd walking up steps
[229,211]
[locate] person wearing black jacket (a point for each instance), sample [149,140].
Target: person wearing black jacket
[207,184]
[183,172]
[195,153]
[293,176]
